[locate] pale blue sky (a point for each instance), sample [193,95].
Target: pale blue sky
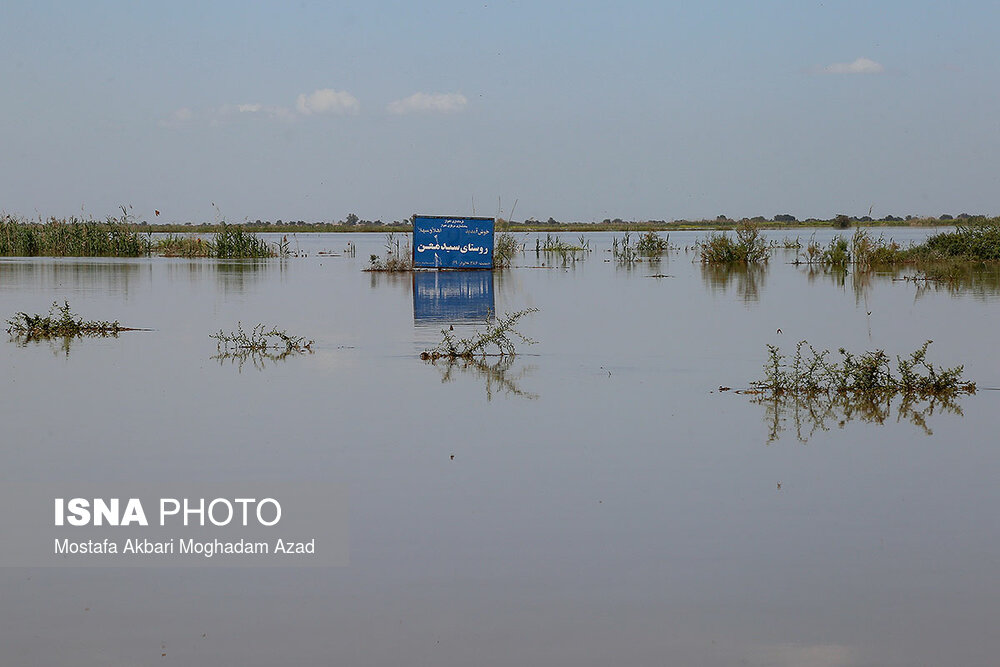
[580,111]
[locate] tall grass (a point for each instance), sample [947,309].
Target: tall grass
[557,245]
[72,237]
[397,258]
[228,243]
[505,246]
[120,237]
[232,242]
[177,245]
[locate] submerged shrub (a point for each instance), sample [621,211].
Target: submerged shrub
[651,244]
[836,253]
[868,374]
[863,251]
[60,322]
[499,333]
[976,240]
[260,338]
[259,346]
[749,246]
[397,258]
[869,252]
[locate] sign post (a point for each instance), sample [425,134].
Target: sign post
[451,242]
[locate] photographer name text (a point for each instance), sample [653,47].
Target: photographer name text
[177,546]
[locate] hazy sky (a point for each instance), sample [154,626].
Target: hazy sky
[579,110]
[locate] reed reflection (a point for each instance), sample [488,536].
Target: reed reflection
[99,275]
[233,276]
[747,279]
[807,415]
[495,372]
[978,280]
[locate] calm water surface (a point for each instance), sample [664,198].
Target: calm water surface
[606,503]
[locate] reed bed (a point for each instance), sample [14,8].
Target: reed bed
[72,237]
[120,237]
[230,242]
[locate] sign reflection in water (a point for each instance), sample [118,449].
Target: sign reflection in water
[452,296]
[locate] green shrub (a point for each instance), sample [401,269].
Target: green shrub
[749,246]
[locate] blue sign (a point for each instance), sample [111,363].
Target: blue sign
[441,242]
[452,296]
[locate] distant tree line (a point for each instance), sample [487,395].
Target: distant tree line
[354,222]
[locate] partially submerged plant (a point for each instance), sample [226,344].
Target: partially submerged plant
[260,339]
[73,237]
[787,243]
[749,246]
[568,253]
[230,242]
[60,322]
[557,245]
[499,334]
[624,252]
[651,244]
[505,246]
[396,259]
[863,252]
[869,374]
[811,391]
[976,239]
[837,254]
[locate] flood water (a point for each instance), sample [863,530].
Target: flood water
[597,502]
